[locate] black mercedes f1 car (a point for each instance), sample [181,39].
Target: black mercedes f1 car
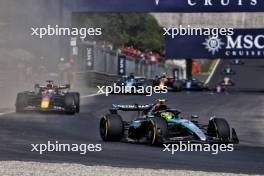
[48,97]
[158,124]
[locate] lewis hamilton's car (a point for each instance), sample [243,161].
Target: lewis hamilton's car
[158,124]
[48,97]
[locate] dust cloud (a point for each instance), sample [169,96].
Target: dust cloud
[24,59]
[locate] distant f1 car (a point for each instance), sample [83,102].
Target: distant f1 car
[158,124]
[48,97]
[237,62]
[168,82]
[228,71]
[194,85]
[179,85]
[133,83]
[131,80]
[226,82]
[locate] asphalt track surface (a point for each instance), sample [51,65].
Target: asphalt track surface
[243,109]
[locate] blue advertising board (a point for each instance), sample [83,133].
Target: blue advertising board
[244,43]
[121,65]
[166,5]
[89,57]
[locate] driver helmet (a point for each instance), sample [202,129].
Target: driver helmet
[164,75]
[226,79]
[62,59]
[162,101]
[167,115]
[50,85]
[161,105]
[131,76]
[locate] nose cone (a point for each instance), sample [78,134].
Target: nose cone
[45,103]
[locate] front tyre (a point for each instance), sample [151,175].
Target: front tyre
[219,128]
[21,102]
[111,127]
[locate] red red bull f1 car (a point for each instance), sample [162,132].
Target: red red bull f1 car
[48,97]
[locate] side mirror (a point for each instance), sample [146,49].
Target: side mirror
[36,89]
[194,117]
[113,111]
[175,111]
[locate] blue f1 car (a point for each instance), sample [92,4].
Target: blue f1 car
[136,85]
[158,124]
[131,80]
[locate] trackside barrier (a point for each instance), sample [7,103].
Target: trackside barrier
[103,60]
[93,79]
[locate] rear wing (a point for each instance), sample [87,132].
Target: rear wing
[135,107]
[66,86]
[140,78]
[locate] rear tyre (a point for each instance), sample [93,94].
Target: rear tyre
[176,86]
[219,127]
[156,131]
[111,127]
[155,82]
[21,102]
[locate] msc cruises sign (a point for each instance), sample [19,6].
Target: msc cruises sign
[245,43]
[217,2]
[166,5]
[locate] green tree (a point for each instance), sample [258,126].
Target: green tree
[124,29]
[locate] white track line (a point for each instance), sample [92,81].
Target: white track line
[5,113]
[91,95]
[212,72]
